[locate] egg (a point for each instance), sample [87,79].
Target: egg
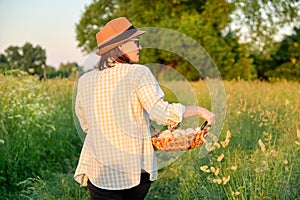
[166,134]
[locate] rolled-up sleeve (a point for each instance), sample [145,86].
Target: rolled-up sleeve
[167,114]
[152,99]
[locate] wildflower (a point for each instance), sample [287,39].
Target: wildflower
[233,168]
[217,145]
[298,133]
[218,180]
[286,169]
[297,143]
[31,70]
[212,169]
[261,145]
[265,163]
[274,153]
[286,162]
[217,172]
[235,193]
[259,170]
[265,133]
[287,102]
[1,141]
[204,169]
[228,134]
[220,158]
[225,143]
[225,179]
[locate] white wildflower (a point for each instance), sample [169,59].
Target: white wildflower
[220,158]
[218,180]
[205,169]
[217,172]
[225,179]
[261,145]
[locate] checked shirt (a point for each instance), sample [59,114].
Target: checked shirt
[114,107]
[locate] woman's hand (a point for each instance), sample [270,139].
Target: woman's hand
[191,111]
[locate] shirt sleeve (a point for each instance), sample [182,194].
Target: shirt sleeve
[167,114]
[80,112]
[152,99]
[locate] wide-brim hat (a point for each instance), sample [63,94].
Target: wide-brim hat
[115,33]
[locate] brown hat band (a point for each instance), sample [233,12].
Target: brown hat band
[126,34]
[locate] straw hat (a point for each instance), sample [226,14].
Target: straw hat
[115,33]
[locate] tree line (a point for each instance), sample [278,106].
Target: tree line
[217,25]
[32,60]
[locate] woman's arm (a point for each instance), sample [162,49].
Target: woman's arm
[191,111]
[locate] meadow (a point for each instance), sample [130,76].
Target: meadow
[257,155]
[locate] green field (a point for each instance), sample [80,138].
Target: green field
[257,155]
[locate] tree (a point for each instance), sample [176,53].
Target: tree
[3,63]
[286,60]
[50,72]
[27,58]
[95,16]
[203,20]
[258,21]
[13,56]
[66,70]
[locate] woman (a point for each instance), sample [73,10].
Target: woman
[114,104]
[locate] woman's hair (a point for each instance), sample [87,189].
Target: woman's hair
[110,58]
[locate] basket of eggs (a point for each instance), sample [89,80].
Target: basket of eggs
[179,139]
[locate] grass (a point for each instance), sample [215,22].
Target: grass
[259,144]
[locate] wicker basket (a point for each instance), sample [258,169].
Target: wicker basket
[179,140]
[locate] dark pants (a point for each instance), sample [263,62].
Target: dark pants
[138,192]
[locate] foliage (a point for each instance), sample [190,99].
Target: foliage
[68,69]
[284,61]
[287,58]
[204,21]
[219,26]
[260,144]
[93,18]
[31,60]
[27,58]
[263,20]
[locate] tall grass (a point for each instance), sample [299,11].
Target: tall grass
[256,157]
[38,137]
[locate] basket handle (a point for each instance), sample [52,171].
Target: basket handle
[203,125]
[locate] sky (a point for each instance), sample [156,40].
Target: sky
[47,23]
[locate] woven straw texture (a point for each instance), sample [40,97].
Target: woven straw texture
[179,140]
